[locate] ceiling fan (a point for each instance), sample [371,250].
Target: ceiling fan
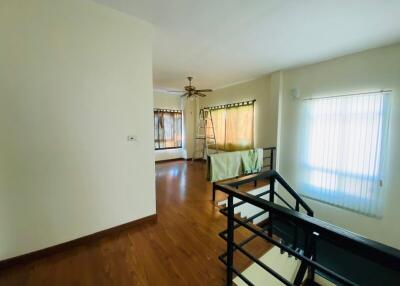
[191,90]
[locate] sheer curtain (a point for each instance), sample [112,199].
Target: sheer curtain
[343,148]
[167,129]
[234,127]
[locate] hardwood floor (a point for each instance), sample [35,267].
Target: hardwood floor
[182,248]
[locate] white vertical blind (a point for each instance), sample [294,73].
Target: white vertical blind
[343,148]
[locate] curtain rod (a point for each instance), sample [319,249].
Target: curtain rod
[350,94]
[242,103]
[167,110]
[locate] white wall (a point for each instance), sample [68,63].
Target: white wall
[75,81]
[264,90]
[165,100]
[367,71]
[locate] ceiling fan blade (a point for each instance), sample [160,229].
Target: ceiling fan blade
[204,90]
[175,91]
[185,94]
[200,94]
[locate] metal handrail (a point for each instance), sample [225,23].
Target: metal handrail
[381,253]
[288,249]
[313,228]
[271,175]
[242,202]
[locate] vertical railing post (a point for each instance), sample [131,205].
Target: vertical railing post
[213,191]
[272,189]
[230,237]
[313,255]
[271,199]
[297,208]
[271,162]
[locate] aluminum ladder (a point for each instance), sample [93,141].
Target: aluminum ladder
[205,137]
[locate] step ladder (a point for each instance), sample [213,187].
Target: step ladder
[205,136]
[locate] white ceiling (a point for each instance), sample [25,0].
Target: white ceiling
[221,42]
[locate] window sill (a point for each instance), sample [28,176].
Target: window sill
[170,148]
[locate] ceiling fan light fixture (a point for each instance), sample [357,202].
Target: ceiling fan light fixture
[190,90]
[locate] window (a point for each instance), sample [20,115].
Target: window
[233,126]
[167,129]
[343,148]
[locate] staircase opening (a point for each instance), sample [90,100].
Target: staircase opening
[307,251]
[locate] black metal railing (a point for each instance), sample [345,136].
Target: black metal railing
[321,247]
[269,158]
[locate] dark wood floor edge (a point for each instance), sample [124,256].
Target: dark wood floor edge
[191,159]
[29,257]
[178,159]
[169,160]
[198,159]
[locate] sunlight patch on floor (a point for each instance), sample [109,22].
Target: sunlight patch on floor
[281,263]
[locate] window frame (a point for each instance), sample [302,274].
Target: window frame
[155,110]
[322,195]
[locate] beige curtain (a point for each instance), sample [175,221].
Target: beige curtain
[219,119]
[239,128]
[234,127]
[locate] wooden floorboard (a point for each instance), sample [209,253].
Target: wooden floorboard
[182,248]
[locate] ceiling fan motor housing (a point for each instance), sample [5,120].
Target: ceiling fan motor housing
[191,90]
